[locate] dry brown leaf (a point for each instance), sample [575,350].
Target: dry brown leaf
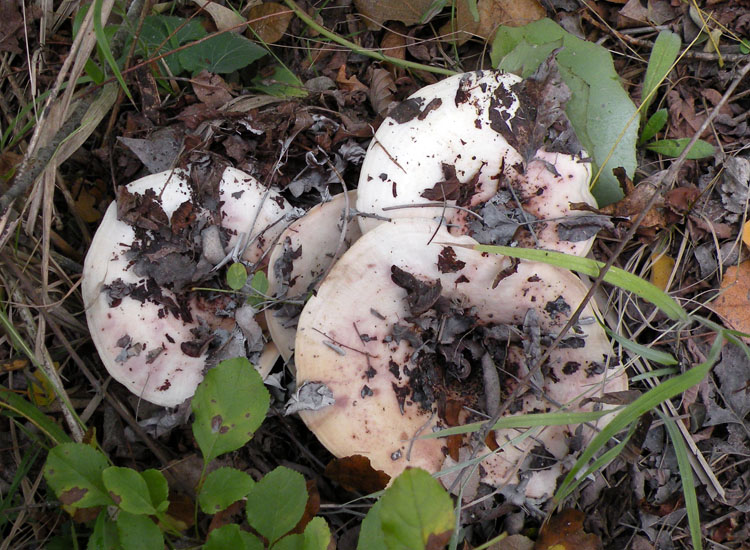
[211,89]
[382,88]
[732,303]
[268,22]
[354,473]
[513,542]
[351,84]
[223,17]
[377,12]
[394,43]
[564,531]
[492,14]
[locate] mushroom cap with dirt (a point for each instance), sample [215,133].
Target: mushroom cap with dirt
[301,257]
[488,142]
[139,268]
[396,334]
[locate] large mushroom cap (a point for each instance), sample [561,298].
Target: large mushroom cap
[302,255]
[397,330]
[451,141]
[146,332]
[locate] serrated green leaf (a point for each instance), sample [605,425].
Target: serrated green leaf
[222,53]
[615,276]
[74,472]
[223,487]
[317,536]
[371,533]
[287,490]
[105,535]
[229,405]
[674,148]
[236,276]
[158,488]
[663,55]
[415,509]
[601,112]
[231,536]
[138,532]
[654,125]
[128,489]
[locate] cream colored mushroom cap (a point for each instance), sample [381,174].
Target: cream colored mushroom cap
[316,236]
[357,306]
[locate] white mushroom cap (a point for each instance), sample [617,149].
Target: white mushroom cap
[142,331]
[345,341]
[308,245]
[455,130]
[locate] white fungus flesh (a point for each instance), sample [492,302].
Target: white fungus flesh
[401,355]
[145,332]
[302,255]
[450,143]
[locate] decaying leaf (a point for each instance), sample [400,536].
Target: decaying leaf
[409,12]
[355,473]
[732,303]
[211,89]
[381,94]
[513,542]
[223,17]
[564,531]
[268,22]
[661,270]
[492,14]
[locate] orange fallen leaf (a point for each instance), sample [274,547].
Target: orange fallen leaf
[377,12]
[268,22]
[564,531]
[492,14]
[734,298]
[661,270]
[746,233]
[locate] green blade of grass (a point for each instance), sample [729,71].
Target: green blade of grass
[628,415]
[101,40]
[686,475]
[18,405]
[615,276]
[651,354]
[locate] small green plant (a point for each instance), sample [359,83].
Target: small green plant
[229,406]
[237,279]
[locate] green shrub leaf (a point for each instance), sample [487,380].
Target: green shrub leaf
[674,148]
[223,53]
[74,472]
[371,534]
[600,110]
[105,535]
[158,489]
[231,536]
[229,405]
[162,30]
[223,487]
[416,511]
[663,55]
[287,491]
[138,532]
[128,489]
[236,276]
[317,536]
[654,125]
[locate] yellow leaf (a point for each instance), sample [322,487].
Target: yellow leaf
[746,233]
[40,391]
[661,270]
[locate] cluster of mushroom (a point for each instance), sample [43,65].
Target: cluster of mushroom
[406,329]
[413,330]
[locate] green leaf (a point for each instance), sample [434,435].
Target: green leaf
[653,126]
[13,402]
[646,402]
[414,510]
[282,83]
[128,489]
[230,536]
[102,43]
[317,536]
[138,532]
[223,487]
[601,112]
[74,472]
[686,476]
[163,33]
[222,53]
[236,276]
[371,534]
[158,489]
[663,55]
[674,148]
[260,285]
[229,405]
[651,354]
[105,535]
[615,276]
[287,491]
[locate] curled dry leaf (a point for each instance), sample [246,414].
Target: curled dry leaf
[492,14]
[268,22]
[223,17]
[382,88]
[732,303]
[211,89]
